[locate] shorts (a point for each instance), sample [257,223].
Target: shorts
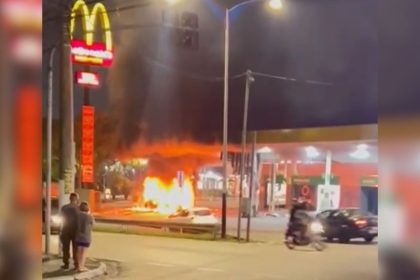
[83,244]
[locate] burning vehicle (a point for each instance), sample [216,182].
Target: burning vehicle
[199,215]
[167,197]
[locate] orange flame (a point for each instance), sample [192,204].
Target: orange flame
[168,197]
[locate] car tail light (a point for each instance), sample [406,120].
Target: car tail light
[361,223]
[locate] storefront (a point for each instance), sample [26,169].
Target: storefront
[369,194]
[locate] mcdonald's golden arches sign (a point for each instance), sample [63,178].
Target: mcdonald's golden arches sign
[88,51]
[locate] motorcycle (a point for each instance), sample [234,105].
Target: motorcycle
[312,237]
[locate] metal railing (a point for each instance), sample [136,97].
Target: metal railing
[164,227]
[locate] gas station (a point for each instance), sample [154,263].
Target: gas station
[334,167]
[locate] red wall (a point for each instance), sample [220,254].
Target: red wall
[349,178]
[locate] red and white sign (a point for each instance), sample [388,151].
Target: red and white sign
[88,132]
[95,54]
[87,79]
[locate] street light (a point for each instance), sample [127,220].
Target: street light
[172,2]
[274,4]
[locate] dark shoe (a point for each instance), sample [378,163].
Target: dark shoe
[65,266]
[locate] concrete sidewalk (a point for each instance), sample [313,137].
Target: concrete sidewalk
[51,269]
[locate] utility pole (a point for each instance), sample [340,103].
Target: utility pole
[249,80]
[225,123]
[251,185]
[66,109]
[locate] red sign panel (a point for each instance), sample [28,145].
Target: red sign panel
[95,54]
[88,132]
[87,79]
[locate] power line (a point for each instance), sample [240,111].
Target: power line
[288,79]
[189,75]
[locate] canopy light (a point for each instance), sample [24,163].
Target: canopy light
[362,147]
[265,150]
[361,152]
[311,152]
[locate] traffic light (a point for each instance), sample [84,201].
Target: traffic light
[183,29]
[189,39]
[189,20]
[189,31]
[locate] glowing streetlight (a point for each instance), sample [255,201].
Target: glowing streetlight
[172,2]
[276,4]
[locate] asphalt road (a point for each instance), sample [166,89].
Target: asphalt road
[154,258]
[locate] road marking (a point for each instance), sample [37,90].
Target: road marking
[209,269]
[270,276]
[160,264]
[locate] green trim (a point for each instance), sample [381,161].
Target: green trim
[279,179]
[369,181]
[313,180]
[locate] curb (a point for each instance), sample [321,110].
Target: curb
[88,275]
[91,274]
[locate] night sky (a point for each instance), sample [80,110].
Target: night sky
[156,90]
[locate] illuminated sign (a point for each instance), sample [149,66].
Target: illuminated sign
[87,79]
[21,14]
[88,51]
[27,50]
[88,132]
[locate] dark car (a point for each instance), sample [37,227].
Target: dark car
[346,224]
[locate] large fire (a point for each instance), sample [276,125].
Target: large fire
[159,190]
[168,197]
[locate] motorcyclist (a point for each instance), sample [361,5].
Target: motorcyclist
[299,219]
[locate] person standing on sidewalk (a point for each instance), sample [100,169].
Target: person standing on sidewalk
[70,213]
[84,234]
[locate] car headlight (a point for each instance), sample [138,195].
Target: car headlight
[316,227]
[57,220]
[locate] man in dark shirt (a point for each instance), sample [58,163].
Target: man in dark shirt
[69,229]
[295,222]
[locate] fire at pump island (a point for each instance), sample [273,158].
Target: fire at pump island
[168,197]
[167,184]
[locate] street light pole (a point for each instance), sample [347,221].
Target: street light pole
[249,80]
[49,151]
[225,123]
[274,4]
